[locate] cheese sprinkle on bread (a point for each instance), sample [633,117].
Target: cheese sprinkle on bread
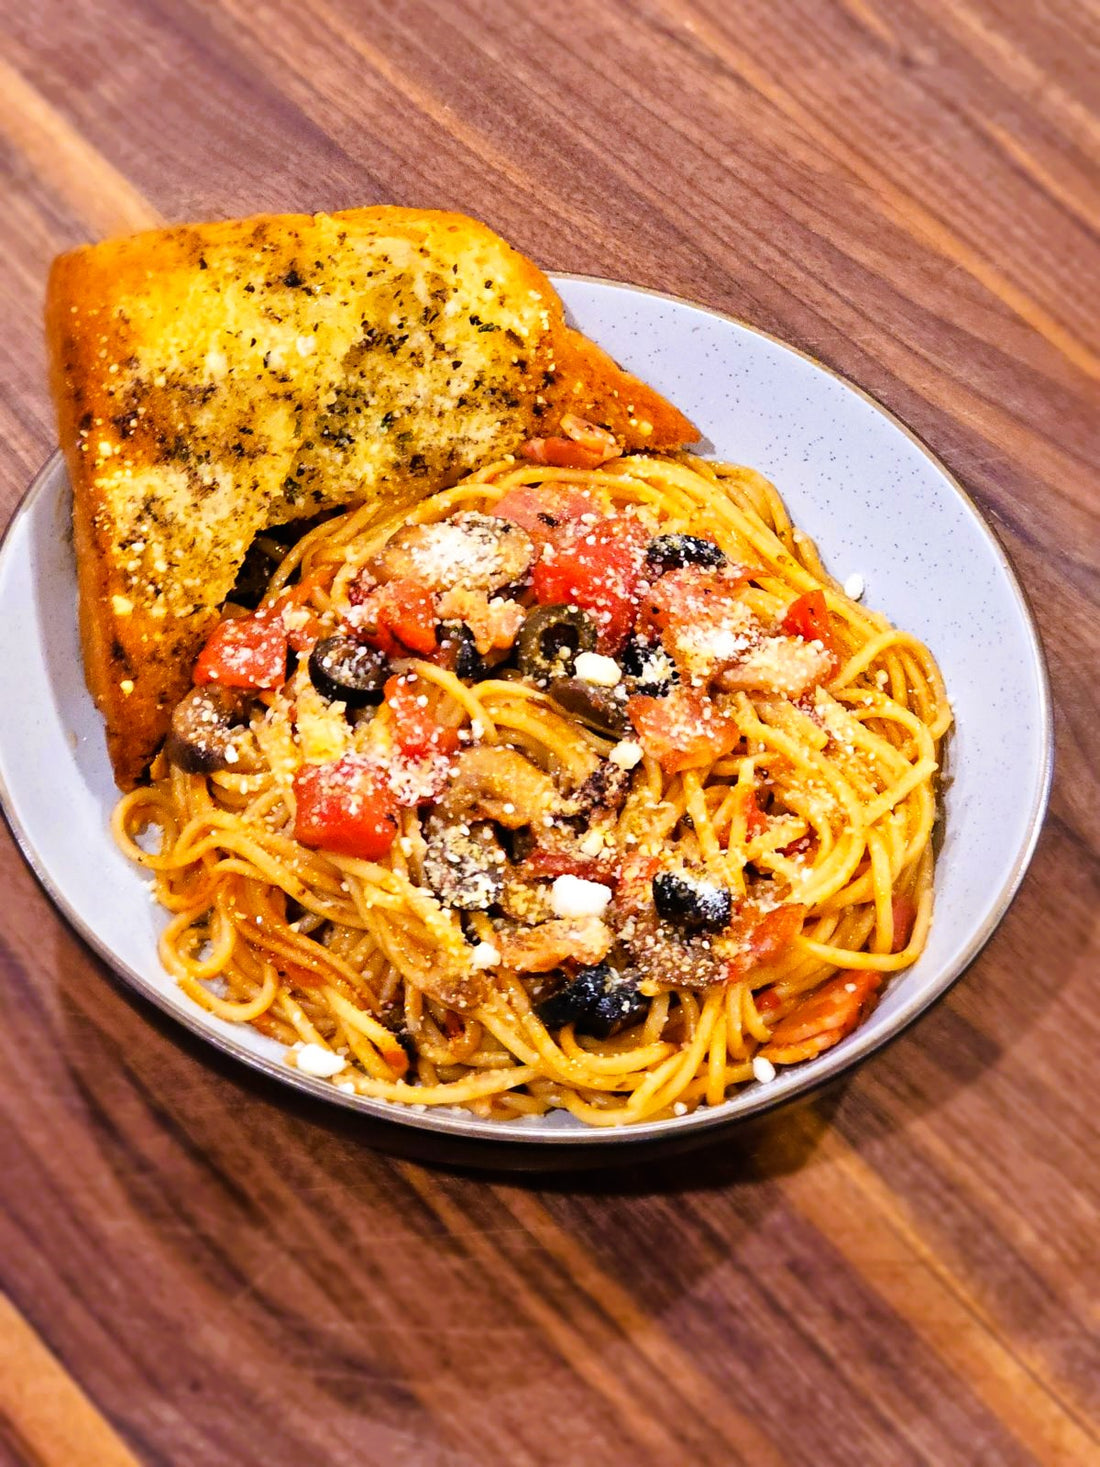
[214,380]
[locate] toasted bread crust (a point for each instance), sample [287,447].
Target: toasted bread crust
[213,379]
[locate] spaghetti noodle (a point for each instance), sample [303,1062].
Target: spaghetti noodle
[622,870]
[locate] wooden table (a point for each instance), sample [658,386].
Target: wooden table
[202,1271]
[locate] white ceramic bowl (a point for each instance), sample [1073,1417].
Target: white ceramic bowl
[875,500]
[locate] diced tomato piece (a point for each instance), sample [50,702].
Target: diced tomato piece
[682,730]
[596,567]
[301,623]
[805,845]
[905,915]
[345,807]
[634,889]
[823,1017]
[546,864]
[397,618]
[542,509]
[703,624]
[764,935]
[693,594]
[766,1001]
[245,652]
[561,453]
[755,819]
[808,617]
[419,724]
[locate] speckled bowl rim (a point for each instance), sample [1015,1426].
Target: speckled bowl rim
[798,1082]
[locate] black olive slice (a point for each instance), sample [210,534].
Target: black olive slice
[600,708]
[346,671]
[458,652]
[692,902]
[670,552]
[598,1002]
[620,1007]
[550,639]
[647,667]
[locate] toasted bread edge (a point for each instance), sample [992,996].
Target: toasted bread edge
[135,707]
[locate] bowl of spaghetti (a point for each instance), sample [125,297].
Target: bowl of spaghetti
[599,799]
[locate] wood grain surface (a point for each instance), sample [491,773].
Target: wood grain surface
[204,1271]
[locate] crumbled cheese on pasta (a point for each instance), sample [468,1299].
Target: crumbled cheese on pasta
[593,667]
[315,1059]
[627,754]
[762,1069]
[854,586]
[572,896]
[485,955]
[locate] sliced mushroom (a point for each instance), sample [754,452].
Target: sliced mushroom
[603,709]
[209,731]
[524,900]
[603,793]
[489,782]
[671,958]
[463,864]
[475,552]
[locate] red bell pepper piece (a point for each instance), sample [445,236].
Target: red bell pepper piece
[682,730]
[245,652]
[808,617]
[397,618]
[596,567]
[345,807]
[418,728]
